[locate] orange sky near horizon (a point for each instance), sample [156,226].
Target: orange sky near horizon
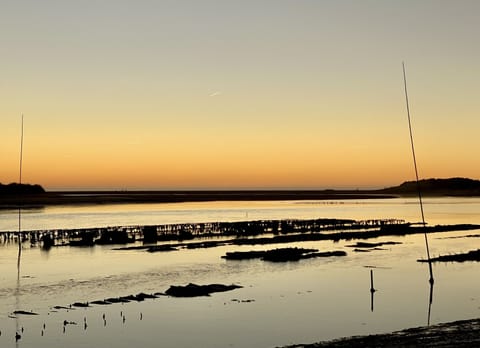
[237,95]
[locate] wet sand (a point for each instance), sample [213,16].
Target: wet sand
[463,333]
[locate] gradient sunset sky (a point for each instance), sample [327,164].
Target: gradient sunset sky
[237,94]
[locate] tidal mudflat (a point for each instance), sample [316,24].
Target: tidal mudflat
[276,303]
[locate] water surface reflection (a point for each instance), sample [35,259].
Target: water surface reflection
[293,302]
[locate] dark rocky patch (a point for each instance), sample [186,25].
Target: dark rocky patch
[244,255]
[459,237]
[142,296]
[210,244]
[281,255]
[111,300]
[125,299]
[473,255]
[80,304]
[117,300]
[371,245]
[325,254]
[194,290]
[160,248]
[20,312]
[287,254]
[129,298]
[101,302]
[367,250]
[61,307]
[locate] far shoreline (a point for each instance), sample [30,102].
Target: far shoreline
[138,197]
[27,195]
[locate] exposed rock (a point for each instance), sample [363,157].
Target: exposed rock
[473,255]
[287,254]
[193,290]
[101,302]
[244,255]
[325,254]
[80,304]
[117,300]
[371,245]
[159,248]
[20,312]
[142,296]
[62,307]
[281,255]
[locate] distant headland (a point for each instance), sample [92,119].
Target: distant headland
[437,187]
[13,195]
[20,189]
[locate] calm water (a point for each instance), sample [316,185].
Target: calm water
[304,301]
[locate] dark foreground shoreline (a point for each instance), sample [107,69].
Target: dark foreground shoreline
[462,333]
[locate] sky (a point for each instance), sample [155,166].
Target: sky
[219,94]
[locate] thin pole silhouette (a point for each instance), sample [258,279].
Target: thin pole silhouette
[372,290]
[20,203]
[18,336]
[431,280]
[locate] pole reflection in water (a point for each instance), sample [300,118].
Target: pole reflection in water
[18,335]
[430,300]
[372,290]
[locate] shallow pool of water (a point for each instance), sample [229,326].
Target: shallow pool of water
[283,303]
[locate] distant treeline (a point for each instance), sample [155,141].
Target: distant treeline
[451,186]
[14,189]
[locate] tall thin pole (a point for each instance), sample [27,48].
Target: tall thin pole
[21,153]
[20,203]
[17,292]
[372,290]
[416,174]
